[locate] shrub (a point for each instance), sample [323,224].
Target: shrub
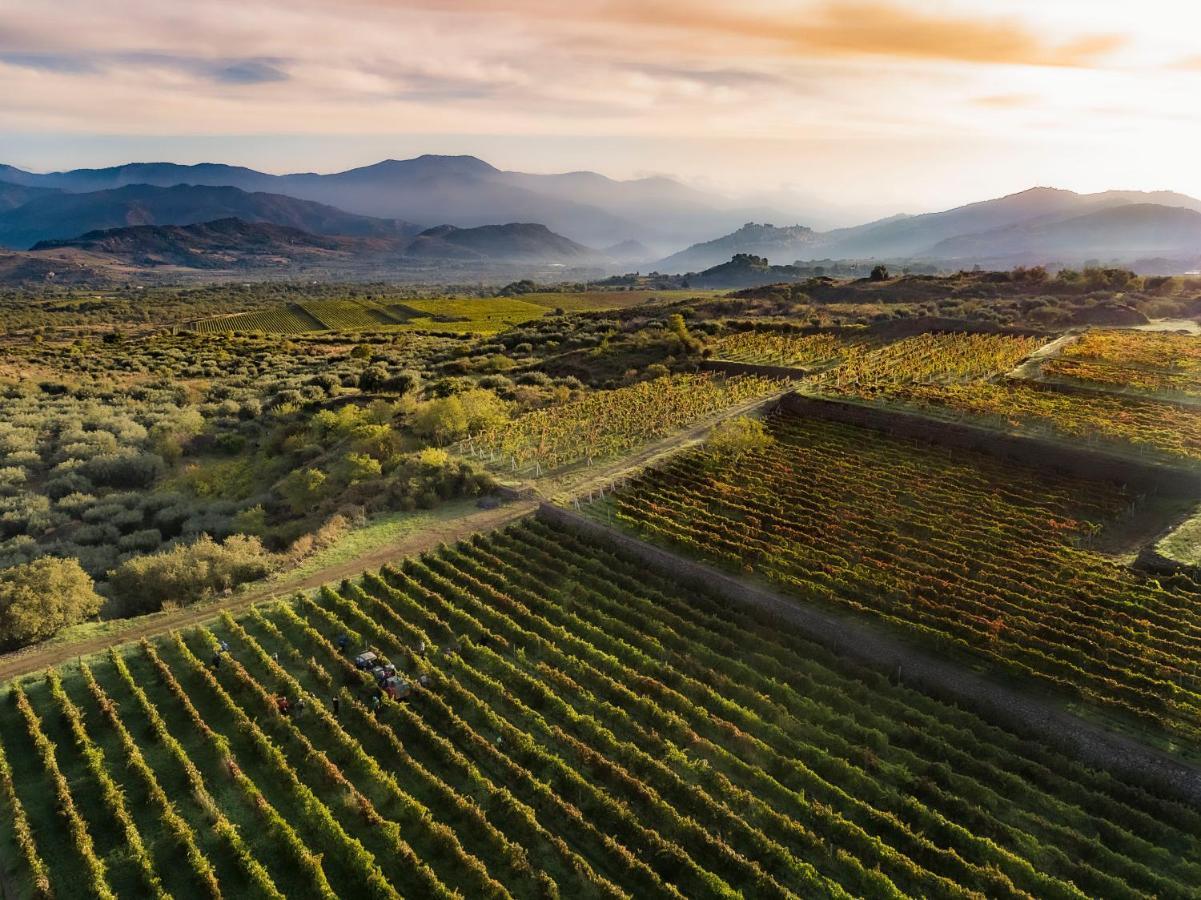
[124,470]
[356,467]
[303,488]
[188,572]
[142,541]
[39,598]
[736,436]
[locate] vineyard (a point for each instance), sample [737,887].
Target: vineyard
[1146,361]
[609,423]
[869,370]
[959,375]
[291,319]
[348,315]
[975,554]
[1165,430]
[576,727]
[781,348]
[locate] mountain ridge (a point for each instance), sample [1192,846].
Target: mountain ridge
[59,215]
[461,190]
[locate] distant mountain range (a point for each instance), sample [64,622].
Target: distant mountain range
[456,190]
[1038,226]
[473,208]
[55,214]
[232,244]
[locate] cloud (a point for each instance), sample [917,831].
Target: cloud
[218,71]
[1006,101]
[50,62]
[247,71]
[879,29]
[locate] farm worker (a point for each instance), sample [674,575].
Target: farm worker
[300,705]
[343,640]
[375,705]
[224,647]
[283,705]
[216,660]
[336,702]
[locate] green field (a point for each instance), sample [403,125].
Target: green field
[585,730]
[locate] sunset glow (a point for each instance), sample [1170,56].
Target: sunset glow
[869,105]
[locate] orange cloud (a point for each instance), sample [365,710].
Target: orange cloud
[882,29]
[1006,101]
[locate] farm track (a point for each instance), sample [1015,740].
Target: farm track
[1094,744]
[41,657]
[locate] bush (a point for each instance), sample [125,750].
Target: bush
[736,436]
[188,572]
[124,470]
[39,598]
[449,418]
[142,541]
[303,488]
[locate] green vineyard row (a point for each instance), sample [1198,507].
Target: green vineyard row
[575,726]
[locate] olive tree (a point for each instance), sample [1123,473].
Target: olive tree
[39,598]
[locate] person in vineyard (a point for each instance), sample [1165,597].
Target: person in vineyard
[283,705]
[336,703]
[300,706]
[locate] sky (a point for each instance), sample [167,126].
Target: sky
[845,109]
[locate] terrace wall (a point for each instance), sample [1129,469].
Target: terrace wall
[866,643]
[1141,475]
[1083,390]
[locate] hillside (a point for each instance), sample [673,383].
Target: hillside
[1032,226]
[919,236]
[515,242]
[1121,233]
[232,244]
[459,190]
[14,195]
[744,270]
[220,244]
[58,215]
[778,245]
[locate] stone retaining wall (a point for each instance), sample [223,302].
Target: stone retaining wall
[866,643]
[1138,474]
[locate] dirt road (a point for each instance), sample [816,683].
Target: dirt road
[560,486]
[43,656]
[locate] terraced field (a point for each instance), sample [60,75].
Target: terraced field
[605,424]
[871,369]
[348,315]
[1146,361]
[1145,426]
[291,319]
[782,348]
[979,556]
[584,730]
[960,376]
